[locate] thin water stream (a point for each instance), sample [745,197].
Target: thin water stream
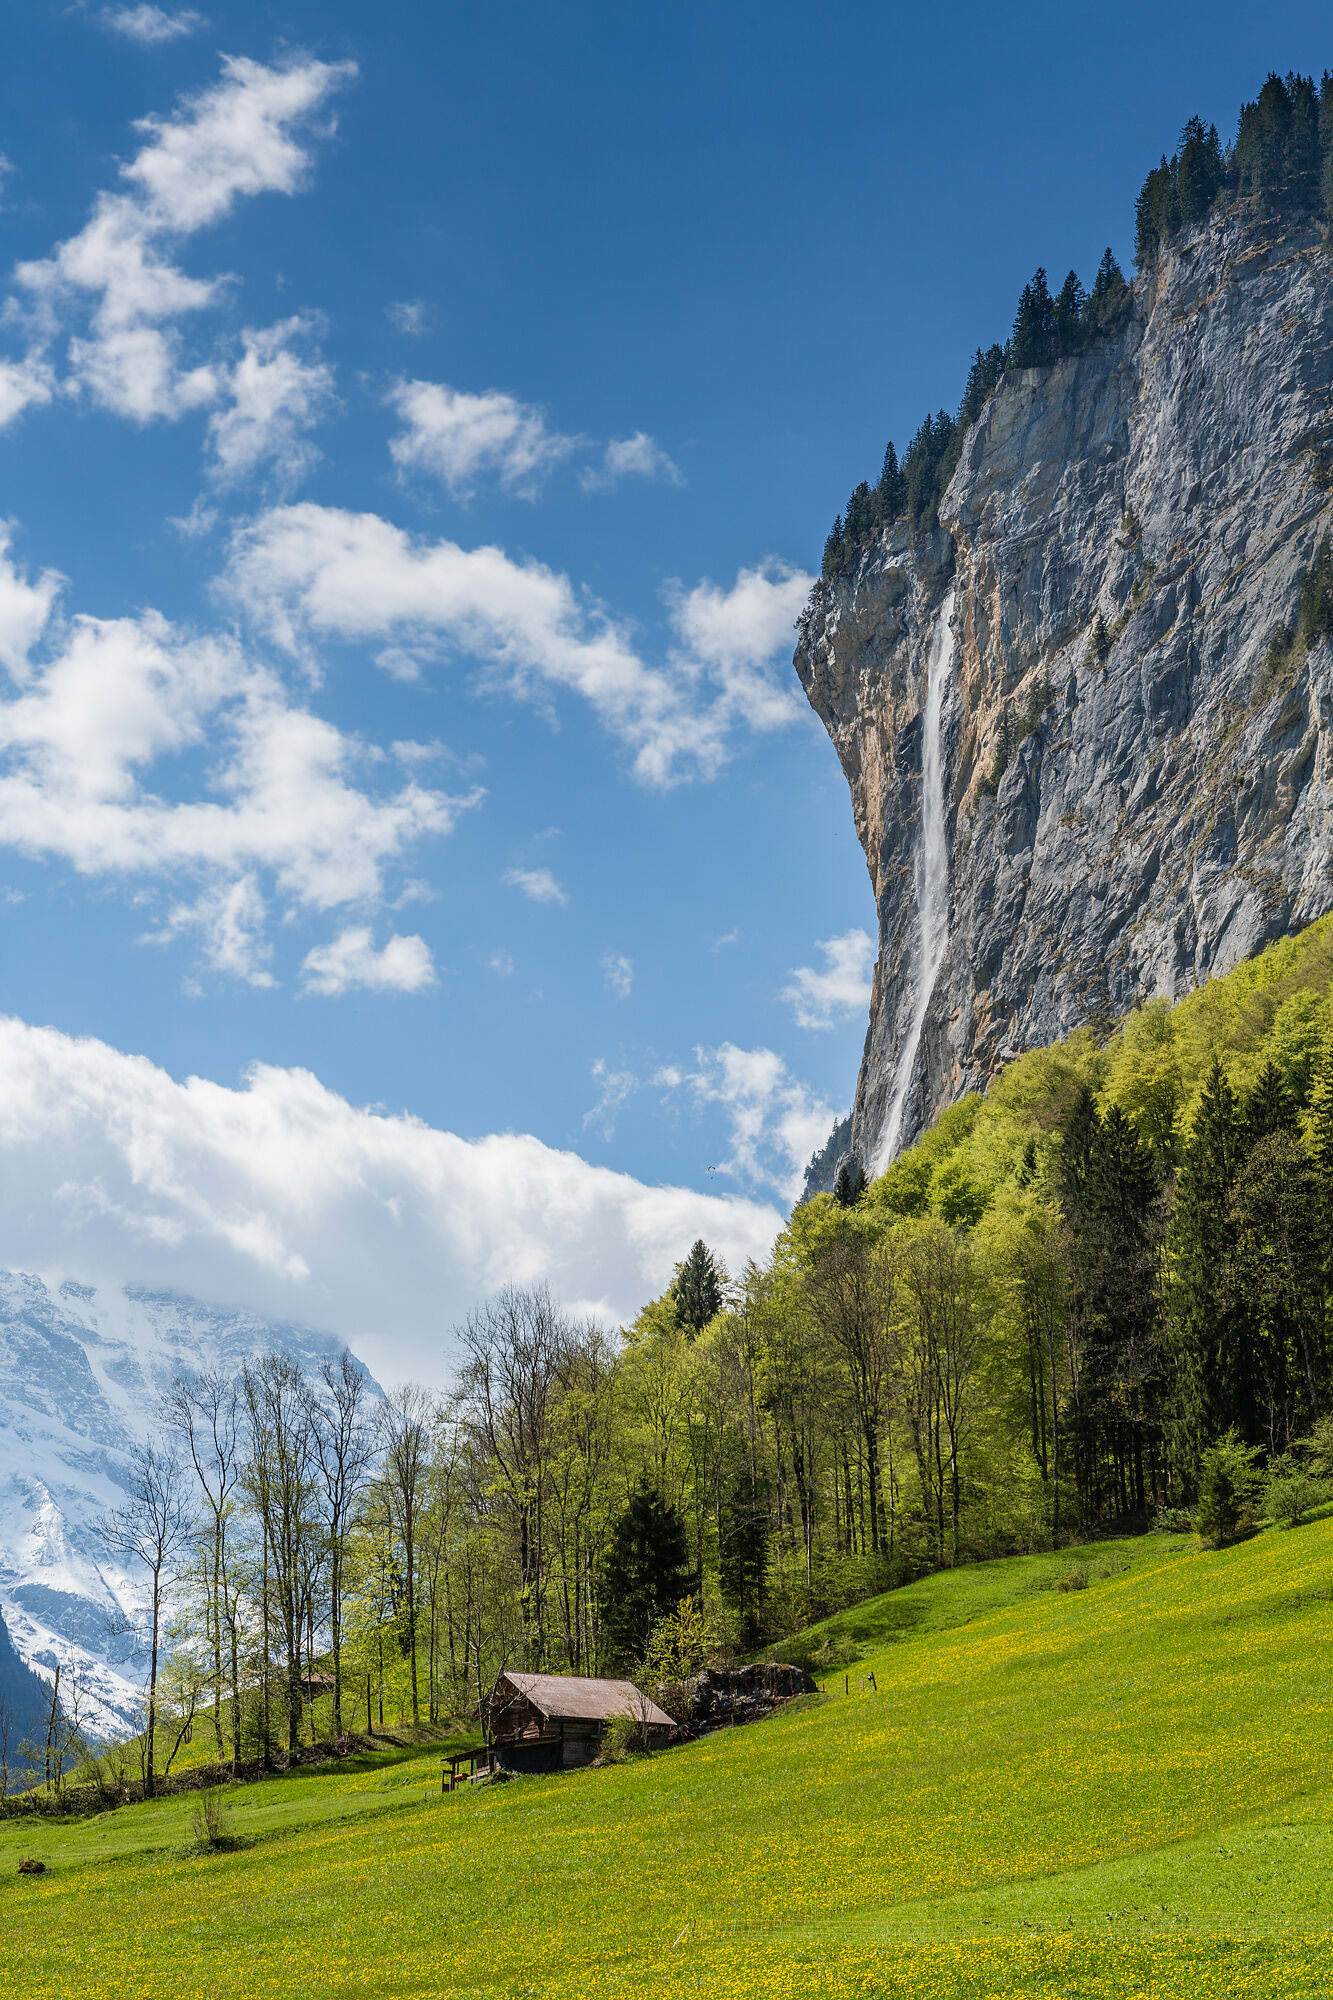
[932,873]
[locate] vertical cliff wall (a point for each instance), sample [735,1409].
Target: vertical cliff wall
[1136,789]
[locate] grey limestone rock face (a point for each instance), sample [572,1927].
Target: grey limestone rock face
[1130,806]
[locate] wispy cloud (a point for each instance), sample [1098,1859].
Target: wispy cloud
[843,987]
[637,457]
[619,973]
[775,1121]
[616,1087]
[150,26]
[409,315]
[537,884]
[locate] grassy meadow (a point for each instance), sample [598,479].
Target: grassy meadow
[1119,1787]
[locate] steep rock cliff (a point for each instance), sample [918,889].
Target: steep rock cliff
[1132,805]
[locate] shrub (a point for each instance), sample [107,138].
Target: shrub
[1291,1491]
[1228,1484]
[209,1821]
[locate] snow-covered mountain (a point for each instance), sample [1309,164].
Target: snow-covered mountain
[81,1371]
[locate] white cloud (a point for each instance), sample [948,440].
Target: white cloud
[619,973]
[404,965]
[230,919]
[637,457]
[537,884]
[305,573]
[616,1087]
[502,963]
[282,1197]
[116,279]
[409,315]
[277,788]
[842,988]
[776,1122]
[457,437]
[276,397]
[736,636]
[150,25]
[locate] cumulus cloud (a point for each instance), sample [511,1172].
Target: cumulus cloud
[776,1121]
[276,396]
[537,884]
[282,1197]
[306,573]
[403,965]
[114,288]
[150,26]
[108,705]
[619,973]
[457,437]
[637,457]
[735,635]
[818,999]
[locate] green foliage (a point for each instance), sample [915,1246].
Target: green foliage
[1229,1483]
[743,1549]
[1292,1490]
[698,1288]
[644,1574]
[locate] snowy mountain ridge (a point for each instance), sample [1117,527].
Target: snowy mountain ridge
[81,1373]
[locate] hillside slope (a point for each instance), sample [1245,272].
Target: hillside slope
[1133,794]
[1096,1791]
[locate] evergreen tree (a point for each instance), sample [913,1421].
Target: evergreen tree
[1067,329]
[850,1184]
[1156,214]
[1301,150]
[1203,1400]
[698,1288]
[1109,299]
[1032,342]
[835,550]
[1268,1108]
[1320,1141]
[1315,620]
[1326,148]
[892,488]
[1274,1282]
[985,372]
[1264,140]
[861,523]
[1200,171]
[930,460]
[645,1572]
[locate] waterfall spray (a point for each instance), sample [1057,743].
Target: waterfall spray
[932,873]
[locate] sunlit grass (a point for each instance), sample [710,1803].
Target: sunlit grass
[1112,1791]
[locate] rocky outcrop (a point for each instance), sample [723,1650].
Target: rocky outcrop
[721,1697]
[1137,785]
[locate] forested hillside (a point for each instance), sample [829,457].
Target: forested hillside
[1081,1300]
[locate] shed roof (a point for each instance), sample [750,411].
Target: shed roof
[567,1698]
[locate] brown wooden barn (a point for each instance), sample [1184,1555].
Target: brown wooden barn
[555,1722]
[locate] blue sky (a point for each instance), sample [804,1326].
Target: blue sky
[418,427]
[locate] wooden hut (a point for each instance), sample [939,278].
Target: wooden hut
[555,1722]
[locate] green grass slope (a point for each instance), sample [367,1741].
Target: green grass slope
[1124,1789]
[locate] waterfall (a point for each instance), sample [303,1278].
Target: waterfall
[932,874]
